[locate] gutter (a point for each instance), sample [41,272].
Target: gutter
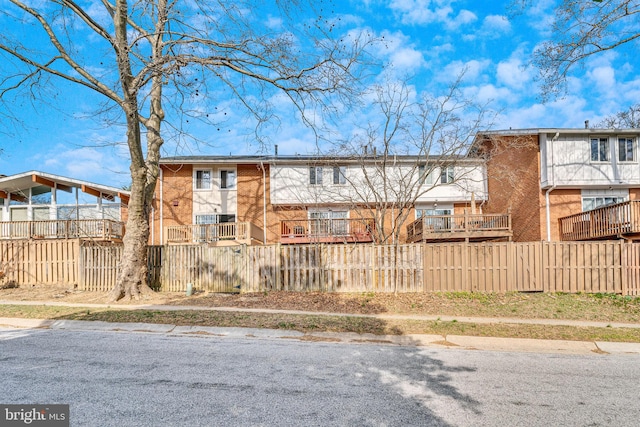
[550,189]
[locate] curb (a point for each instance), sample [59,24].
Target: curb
[415,340]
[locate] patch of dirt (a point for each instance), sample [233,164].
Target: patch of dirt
[302,301]
[66,294]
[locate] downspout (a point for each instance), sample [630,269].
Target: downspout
[264,203]
[553,187]
[161,205]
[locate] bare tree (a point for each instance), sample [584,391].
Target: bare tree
[582,28]
[407,150]
[158,62]
[629,119]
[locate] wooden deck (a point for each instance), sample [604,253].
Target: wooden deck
[358,230]
[468,228]
[97,229]
[619,221]
[216,234]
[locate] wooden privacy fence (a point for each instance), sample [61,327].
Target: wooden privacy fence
[593,267]
[47,262]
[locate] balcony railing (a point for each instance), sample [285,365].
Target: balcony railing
[101,229]
[228,232]
[327,230]
[459,227]
[613,221]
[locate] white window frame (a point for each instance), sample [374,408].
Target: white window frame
[198,182]
[315,175]
[426,178]
[447,175]
[339,175]
[599,201]
[622,154]
[225,182]
[600,156]
[430,211]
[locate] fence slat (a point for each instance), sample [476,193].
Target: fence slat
[605,266]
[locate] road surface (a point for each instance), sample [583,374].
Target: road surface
[113,378]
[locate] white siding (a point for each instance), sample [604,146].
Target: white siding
[290,185]
[567,162]
[215,199]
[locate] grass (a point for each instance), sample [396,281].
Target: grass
[601,307]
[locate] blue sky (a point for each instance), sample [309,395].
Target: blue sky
[431,40]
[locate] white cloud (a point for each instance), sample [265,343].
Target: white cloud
[514,74]
[401,54]
[496,25]
[603,78]
[472,70]
[491,94]
[424,12]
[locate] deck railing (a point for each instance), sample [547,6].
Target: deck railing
[243,232]
[449,227]
[619,220]
[339,230]
[102,229]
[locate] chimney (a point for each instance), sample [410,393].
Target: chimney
[586,124]
[276,150]
[366,150]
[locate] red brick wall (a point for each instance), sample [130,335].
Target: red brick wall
[177,199]
[513,179]
[251,200]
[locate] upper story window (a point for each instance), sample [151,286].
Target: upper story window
[599,149]
[227,179]
[626,149]
[203,179]
[339,175]
[315,175]
[447,175]
[426,176]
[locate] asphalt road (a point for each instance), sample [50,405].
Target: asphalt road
[143,379]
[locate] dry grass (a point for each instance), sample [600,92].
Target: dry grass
[604,308]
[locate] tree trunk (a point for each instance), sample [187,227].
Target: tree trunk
[132,278]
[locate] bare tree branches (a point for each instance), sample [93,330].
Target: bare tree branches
[582,28]
[154,58]
[407,152]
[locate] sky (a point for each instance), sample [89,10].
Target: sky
[430,40]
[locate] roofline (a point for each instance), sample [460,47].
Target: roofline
[67,181]
[306,159]
[538,131]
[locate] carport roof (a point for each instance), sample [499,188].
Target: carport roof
[17,186]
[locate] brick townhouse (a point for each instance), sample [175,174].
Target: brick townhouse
[305,199]
[565,184]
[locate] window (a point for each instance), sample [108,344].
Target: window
[227,179]
[426,177]
[339,175]
[203,180]
[315,175]
[447,175]
[626,152]
[207,219]
[431,212]
[589,203]
[333,223]
[435,219]
[599,150]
